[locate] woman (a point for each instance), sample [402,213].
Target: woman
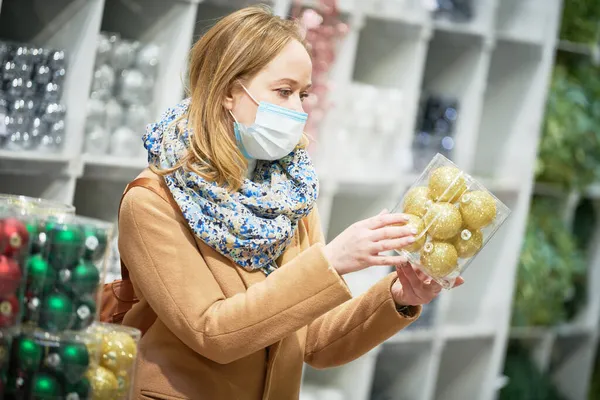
[225,252]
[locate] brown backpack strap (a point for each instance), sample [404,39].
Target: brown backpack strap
[153,186]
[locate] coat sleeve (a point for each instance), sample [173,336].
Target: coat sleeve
[356,326]
[161,255]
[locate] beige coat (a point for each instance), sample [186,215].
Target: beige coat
[222,333]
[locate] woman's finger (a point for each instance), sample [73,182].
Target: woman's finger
[391,244]
[422,275]
[387,260]
[407,289]
[458,282]
[381,220]
[414,281]
[392,232]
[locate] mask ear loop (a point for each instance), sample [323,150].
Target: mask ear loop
[248,93]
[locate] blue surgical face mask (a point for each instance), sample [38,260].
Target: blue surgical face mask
[275,132]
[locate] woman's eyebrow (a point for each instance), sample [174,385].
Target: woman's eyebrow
[292,82]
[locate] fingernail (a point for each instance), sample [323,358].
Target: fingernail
[405,217]
[411,239]
[414,231]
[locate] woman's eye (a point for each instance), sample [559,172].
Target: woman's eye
[285,92]
[303,96]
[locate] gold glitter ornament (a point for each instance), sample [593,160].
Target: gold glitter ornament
[447,184]
[468,243]
[439,259]
[420,236]
[478,209]
[103,382]
[124,384]
[442,221]
[417,200]
[118,351]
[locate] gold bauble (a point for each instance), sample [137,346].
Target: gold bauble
[447,184]
[417,200]
[118,351]
[420,236]
[468,242]
[443,221]
[94,346]
[478,209]
[103,382]
[439,259]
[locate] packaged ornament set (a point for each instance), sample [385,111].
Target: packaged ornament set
[454,215]
[122,96]
[52,264]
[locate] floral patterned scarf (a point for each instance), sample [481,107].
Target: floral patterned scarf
[252,226]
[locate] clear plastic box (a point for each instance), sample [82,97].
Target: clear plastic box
[112,369]
[455,216]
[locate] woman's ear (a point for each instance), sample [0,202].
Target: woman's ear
[229,99]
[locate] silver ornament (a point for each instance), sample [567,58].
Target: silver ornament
[42,75]
[148,59]
[96,113]
[123,55]
[51,92]
[57,59]
[15,87]
[134,88]
[37,130]
[137,117]
[124,142]
[97,140]
[59,76]
[104,50]
[114,115]
[104,79]
[9,71]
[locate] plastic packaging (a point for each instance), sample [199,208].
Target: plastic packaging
[65,269]
[46,366]
[112,369]
[455,216]
[19,216]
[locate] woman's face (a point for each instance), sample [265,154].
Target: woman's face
[284,81]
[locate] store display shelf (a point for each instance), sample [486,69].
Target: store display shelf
[550,189]
[33,162]
[538,332]
[581,49]
[112,168]
[450,27]
[460,332]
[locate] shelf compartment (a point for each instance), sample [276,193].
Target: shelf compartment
[168,24]
[512,111]
[70,25]
[571,364]
[106,206]
[526,21]
[410,12]
[58,188]
[481,302]
[403,372]
[463,369]
[112,168]
[456,67]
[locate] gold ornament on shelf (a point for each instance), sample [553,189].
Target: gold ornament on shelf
[118,351]
[103,382]
[443,221]
[439,259]
[420,236]
[447,184]
[478,209]
[468,242]
[417,201]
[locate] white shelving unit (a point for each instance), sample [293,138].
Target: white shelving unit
[498,67]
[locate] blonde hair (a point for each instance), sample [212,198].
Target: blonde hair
[235,49]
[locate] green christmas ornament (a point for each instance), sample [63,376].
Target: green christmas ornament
[37,239]
[85,312]
[29,354]
[45,387]
[74,360]
[41,277]
[85,278]
[95,243]
[57,312]
[66,245]
[80,390]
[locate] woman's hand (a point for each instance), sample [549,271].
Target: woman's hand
[414,288]
[358,247]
